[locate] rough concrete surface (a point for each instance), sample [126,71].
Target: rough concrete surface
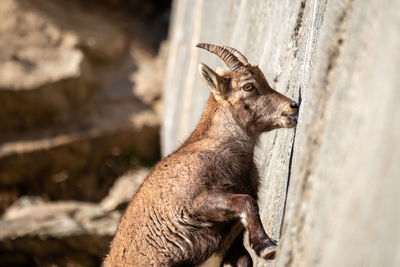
[330,188]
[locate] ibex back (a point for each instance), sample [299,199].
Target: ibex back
[198,200]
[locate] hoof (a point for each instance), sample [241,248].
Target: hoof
[268,253]
[265,249]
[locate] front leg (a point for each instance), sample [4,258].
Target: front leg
[223,207]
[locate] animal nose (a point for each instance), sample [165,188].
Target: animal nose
[294,105]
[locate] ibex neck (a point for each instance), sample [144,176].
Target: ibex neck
[218,129]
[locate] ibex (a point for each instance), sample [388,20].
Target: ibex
[198,200]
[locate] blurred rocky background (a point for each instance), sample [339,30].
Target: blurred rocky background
[80,99]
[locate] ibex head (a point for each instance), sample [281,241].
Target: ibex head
[244,90]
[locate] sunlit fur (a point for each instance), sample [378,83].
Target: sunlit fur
[260,109]
[197,201]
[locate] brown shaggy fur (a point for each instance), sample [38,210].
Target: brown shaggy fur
[193,198]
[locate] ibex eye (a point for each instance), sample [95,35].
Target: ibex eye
[248,87]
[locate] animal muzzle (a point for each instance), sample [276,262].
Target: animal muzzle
[290,115]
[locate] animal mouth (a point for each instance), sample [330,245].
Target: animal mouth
[292,117]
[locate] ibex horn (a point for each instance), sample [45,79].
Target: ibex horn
[232,58]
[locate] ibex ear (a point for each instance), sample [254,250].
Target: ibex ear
[213,80]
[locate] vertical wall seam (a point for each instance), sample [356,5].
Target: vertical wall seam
[289,170]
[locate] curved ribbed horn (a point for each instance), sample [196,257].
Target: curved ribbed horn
[227,54]
[237,54]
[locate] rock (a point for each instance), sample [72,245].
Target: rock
[44,78]
[20,207]
[59,136]
[59,233]
[329,189]
[96,32]
[139,75]
[124,188]
[46,73]
[71,123]
[148,79]
[68,162]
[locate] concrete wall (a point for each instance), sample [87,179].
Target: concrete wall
[331,188]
